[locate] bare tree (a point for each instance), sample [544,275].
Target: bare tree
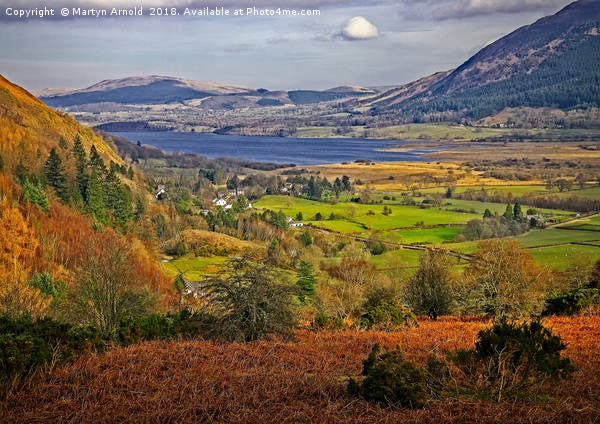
[108,289]
[506,282]
[429,291]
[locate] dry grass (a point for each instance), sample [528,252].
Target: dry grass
[500,151]
[301,381]
[377,176]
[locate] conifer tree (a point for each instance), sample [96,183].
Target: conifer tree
[487,214]
[21,173]
[95,198]
[62,143]
[306,282]
[338,186]
[35,194]
[140,208]
[518,213]
[346,185]
[112,184]
[96,162]
[118,198]
[81,177]
[55,177]
[509,212]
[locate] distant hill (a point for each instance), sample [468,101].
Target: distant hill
[154,90]
[143,90]
[554,62]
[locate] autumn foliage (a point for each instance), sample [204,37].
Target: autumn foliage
[18,246]
[302,381]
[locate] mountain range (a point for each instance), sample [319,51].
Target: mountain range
[552,63]
[164,90]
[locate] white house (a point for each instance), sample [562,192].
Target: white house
[220,202]
[160,191]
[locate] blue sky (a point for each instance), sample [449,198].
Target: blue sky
[368,43]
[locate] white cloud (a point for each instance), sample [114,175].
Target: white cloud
[359,28]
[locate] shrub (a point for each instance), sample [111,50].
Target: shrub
[504,281]
[252,300]
[390,380]
[327,322]
[383,311]
[44,283]
[183,325]
[573,302]
[377,248]
[28,348]
[35,194]
[510,358]
[430,288]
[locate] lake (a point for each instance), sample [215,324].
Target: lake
[300,151]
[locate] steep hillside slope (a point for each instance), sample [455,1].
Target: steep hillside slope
[64,204]
[29,129]
[554,62]
[407,91]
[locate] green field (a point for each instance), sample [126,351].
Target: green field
[516,190]
[194,268]
[358,214]
[559,257]
[409,259]
[553,236]
[315,132]
[590,192]
[400,227]
[355,218]
[427,235]
[591,224]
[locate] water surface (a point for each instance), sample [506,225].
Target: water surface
[300,151]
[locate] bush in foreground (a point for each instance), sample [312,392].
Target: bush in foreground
[252,300]
[390,380]
[509,359]
[383,311]
[29,347]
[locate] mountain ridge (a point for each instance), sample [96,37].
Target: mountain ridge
[155,89]
[553,62]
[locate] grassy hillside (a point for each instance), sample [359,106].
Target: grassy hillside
[29,129]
